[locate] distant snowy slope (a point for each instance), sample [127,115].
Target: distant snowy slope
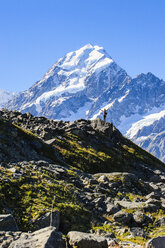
[130,125]
[5,96]
[149,133]
[145,124]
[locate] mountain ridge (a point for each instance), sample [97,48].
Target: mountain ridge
[84,82]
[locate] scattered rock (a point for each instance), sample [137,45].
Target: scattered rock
[84,240]
[112,209]
[103,179]
[123,217]
[140,218]
[129,205]
[153,195]
[113,243]
[44,238]
[151,205]
[137,232]
[102,194]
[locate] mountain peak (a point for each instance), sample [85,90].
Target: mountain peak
[83,74]
[75,66]
[89,47]
[146,75]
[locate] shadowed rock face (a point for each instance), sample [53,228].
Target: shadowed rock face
[157,242]
[7,223]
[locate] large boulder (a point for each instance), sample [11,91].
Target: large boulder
[7,223]
[44,220]
[44,238]
[123,217]
[158,242]
[86,240]
[129,205]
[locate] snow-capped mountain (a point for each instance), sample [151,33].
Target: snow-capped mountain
[5,96]
[84,82]
[72,85]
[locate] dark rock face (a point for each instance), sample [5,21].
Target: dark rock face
[7,223]
[152,205]
[157,242]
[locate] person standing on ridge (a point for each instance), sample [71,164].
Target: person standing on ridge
[104,115]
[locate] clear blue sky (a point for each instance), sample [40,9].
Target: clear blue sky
[35,33]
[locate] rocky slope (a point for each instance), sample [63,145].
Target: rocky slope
[87,174]
[85,81]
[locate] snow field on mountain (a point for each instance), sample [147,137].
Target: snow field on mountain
[5,96]
[80,114]
[104,106]
[122,98]
[145,121]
